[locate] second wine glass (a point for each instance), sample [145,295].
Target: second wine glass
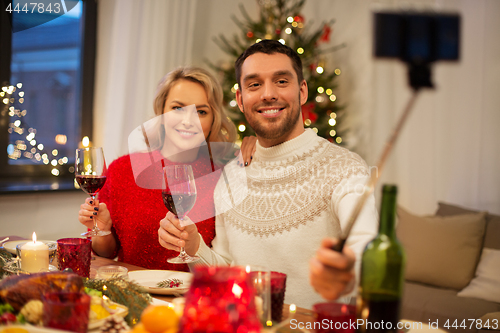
[179,196]
[90,174]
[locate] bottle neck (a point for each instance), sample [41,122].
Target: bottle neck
[388,213]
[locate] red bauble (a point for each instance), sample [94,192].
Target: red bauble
[299,19]
[250,34]
[278,32]
[308,112]
[325,37]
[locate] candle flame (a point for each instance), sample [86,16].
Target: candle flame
[293,308]
[34,237]
[85,141]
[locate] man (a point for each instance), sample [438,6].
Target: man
[300,189]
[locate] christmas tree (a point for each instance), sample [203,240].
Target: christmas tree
[282,20]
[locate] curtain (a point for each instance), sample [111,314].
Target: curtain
[138,43]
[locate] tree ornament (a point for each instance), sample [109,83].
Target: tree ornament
[299,19]
[308,112]
[325,37]
[250,34]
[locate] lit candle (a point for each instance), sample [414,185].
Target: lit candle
[34,256]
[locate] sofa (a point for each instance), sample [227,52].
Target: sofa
[452,274]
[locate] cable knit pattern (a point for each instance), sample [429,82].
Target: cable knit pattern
[297,193]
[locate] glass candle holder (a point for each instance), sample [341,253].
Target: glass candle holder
[66,311]
[112,271]
[278,288]
[220,299]
[74,253]
[260,279]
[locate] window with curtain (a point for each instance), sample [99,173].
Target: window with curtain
[47,58]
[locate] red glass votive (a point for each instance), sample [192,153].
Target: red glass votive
[66,311]
[278,287]
[74,253]
[334,317]
[220,299]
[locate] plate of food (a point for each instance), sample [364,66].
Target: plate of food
[100,309]
[162,282]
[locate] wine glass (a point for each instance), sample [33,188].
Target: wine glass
[179,197]
[90,174]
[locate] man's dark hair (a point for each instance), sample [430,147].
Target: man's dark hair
[269,46]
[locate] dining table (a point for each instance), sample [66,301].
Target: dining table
[299,315]
[296,320]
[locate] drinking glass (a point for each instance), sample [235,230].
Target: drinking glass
[220,299]
[90,174]
[74,253]
[66,311]
[337,316]
[179,196]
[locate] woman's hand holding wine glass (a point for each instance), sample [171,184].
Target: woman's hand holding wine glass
[90,174]
[93,211]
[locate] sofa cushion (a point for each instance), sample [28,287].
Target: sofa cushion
[441,250]
[492,234]
[426,303]
[486,284]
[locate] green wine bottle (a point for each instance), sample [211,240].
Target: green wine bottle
[382,273]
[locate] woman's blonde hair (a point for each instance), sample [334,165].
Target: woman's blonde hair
[223,129]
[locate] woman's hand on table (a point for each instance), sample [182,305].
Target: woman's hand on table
[95,210]
[331,273]
[172,235]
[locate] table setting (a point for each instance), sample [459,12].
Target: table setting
[117,294]
[124,298]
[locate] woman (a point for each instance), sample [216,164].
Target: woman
[131,204]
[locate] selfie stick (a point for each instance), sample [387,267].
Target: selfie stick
[374,176]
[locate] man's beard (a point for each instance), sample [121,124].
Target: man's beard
[272,133]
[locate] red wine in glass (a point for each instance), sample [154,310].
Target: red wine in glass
[91,184]
[90,174]
[179,204]
[179,196]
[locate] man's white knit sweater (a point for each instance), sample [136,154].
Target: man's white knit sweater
[294,195]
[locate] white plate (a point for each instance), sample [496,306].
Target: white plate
[121,311]
[11,245]
[148,279]
[157,301]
